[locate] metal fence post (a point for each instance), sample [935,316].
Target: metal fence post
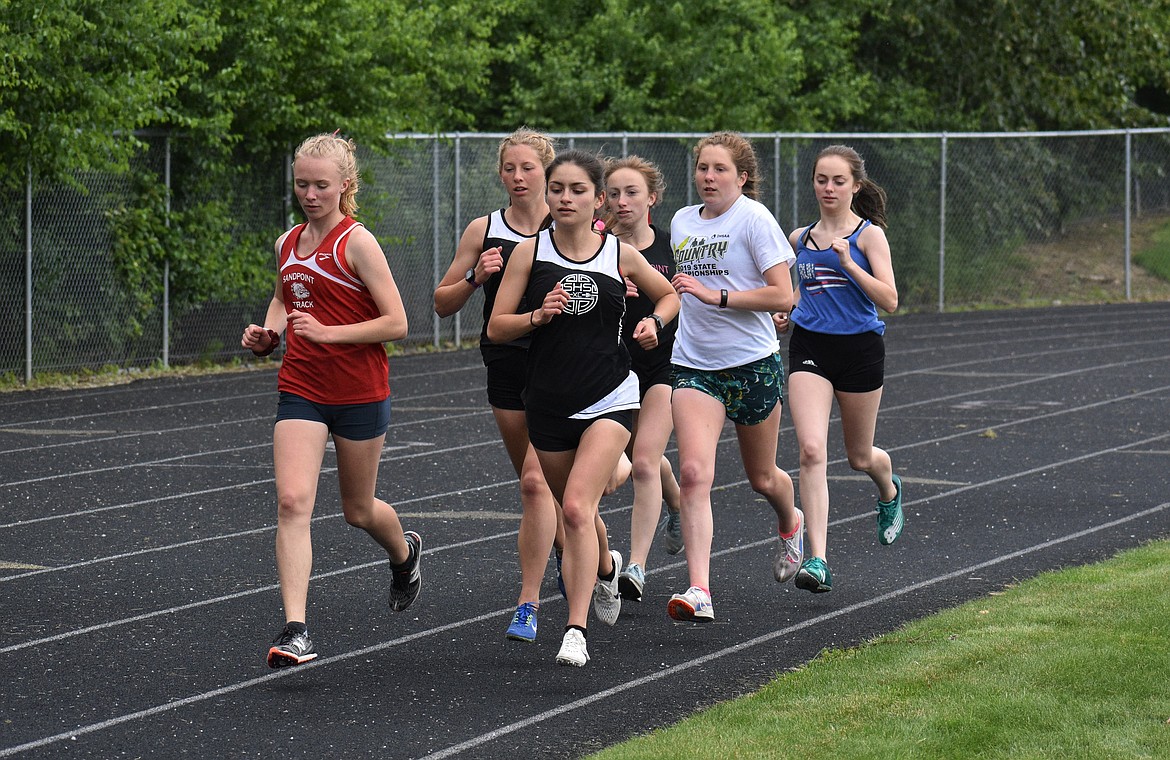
[776,176]
[795,189]
[435,222]
[455,228]
[1128,211]
[28,278]
[166,318]
[942,226]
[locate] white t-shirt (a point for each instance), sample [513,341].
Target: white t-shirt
[731,251]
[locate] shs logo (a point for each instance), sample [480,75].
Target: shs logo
[582,292]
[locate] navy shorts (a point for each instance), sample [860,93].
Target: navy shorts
[353,422]
[507,374]
[749,392]
[551,433]
[851,363]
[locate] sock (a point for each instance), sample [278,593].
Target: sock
[584,632]
[897,490]
[296,627]
[793,533]
[409,560]
[609,577]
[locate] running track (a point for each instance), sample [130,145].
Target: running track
[137,585]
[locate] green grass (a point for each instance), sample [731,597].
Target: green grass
[1155,258]
[1071,664]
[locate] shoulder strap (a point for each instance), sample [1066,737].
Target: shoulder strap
[807,233]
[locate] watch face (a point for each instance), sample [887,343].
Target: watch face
[470,276]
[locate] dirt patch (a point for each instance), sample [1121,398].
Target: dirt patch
[1087,264]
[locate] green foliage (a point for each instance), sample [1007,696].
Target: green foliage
[662,66]
[74,74]
[210,255]
[1006,65]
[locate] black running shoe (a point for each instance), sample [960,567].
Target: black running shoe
[292,647]
[405,584]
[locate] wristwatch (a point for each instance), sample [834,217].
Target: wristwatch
[470,278]
[657,320]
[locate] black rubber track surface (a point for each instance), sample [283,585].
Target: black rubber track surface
[138,591]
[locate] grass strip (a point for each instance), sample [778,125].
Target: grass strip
[1070,664]
[1156,257]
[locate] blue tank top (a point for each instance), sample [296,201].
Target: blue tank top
[830,301]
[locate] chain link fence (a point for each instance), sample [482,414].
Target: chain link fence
[975,220]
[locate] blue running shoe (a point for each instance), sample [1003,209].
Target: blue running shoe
[631,582]
[523,627]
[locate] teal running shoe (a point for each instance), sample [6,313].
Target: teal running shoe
[672,531]
[814,576]
[890,519]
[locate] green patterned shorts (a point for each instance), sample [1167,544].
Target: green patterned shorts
[749,393]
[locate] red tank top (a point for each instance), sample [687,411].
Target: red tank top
[322,284]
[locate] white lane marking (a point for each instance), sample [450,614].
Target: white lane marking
[401,405]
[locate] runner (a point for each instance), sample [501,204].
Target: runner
[633,187]
[733,270]
[837,351]
[337,304]
[580,390]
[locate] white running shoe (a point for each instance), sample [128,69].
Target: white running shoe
[789,552]
[573,650]
[694,605]
[607,603]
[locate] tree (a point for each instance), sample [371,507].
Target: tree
[660,66]
[1007,65]
[76,78]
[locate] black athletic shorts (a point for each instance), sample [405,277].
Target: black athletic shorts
[507,374]
[651,374]
[851,363]
[551,433]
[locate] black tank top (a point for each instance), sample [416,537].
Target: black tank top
[578,358]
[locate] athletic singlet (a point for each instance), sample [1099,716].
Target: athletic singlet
[830,301]
[661,257]
[498,233]
[322,284]
[577,358]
